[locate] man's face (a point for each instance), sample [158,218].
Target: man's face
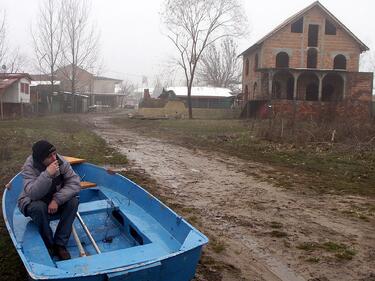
[50,158]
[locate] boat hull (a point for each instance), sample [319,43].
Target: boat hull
[140,238]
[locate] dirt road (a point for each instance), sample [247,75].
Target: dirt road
[258,231]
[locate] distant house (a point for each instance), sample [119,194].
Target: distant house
[202,97]
[106,91]
[307,67]
[47,99]
[14,94]
[89,90]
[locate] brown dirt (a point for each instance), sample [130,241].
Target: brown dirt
[257,231]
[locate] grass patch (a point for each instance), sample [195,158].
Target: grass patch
[340,250]
[313,259]
[217,245]
[363,212]
[16,138]
[321,166]
[308,246]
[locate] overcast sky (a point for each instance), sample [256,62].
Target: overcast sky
[132,44]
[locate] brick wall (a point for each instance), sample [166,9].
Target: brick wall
[358,111]
[359,86]
[296,45]
[253,79]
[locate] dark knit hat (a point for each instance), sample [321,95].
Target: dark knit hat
[41,150]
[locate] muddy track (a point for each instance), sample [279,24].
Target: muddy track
[257,225]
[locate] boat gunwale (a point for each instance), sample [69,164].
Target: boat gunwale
[33,275]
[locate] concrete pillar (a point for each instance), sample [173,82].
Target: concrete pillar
[270,81]
[320,86]
[344,85]
[295,76]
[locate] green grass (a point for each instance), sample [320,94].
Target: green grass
[341,251]
[325,168]
[16,138]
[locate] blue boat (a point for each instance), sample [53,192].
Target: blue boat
[121,232]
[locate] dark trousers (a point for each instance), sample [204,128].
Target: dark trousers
[38,211]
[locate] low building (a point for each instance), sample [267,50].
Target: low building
[90,90]
[202,97]
[14,94]
[46,98]
[106,91]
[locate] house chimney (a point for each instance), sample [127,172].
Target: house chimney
[146,94]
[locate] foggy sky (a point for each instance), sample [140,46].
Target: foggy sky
[132,44]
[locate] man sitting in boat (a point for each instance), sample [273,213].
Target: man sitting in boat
[49,191]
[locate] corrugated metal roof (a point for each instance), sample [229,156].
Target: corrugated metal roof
[8,79]
[201,92]
[6,83]
[44,82]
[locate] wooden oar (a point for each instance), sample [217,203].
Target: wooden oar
[88,233]
[82,252]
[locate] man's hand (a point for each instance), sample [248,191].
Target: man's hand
[53,168]
[52,207]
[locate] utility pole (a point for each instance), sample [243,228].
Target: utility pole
[2,93]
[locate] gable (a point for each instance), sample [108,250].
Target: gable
[316,12]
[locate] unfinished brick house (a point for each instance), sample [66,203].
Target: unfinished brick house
[307,68]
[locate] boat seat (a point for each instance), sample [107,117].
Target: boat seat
[96,206]
[73,160]
[87,184]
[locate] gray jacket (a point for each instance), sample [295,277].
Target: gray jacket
[37,184]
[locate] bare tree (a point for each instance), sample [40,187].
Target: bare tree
[127,88]
[3,46]
[11,58]
[16,62]
[219,66]
[193,25]
[47,40]
[81,40]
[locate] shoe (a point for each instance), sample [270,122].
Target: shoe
[51,251]
[61,252]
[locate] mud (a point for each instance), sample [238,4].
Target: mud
[256,229]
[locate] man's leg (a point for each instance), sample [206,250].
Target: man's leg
[67,213]
[38,211]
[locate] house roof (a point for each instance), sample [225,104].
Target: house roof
[297,16]
[40,77]
[201,92]
[8,79]
[106,78]
[35,83]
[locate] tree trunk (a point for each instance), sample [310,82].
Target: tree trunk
[189,102]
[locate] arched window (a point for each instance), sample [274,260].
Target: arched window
[282,59]
[247,67]
[339,62]
[256,61]
[312,92]
[246,93]
[312,58]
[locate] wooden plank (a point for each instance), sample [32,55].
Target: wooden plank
[73,160]
[87,184]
